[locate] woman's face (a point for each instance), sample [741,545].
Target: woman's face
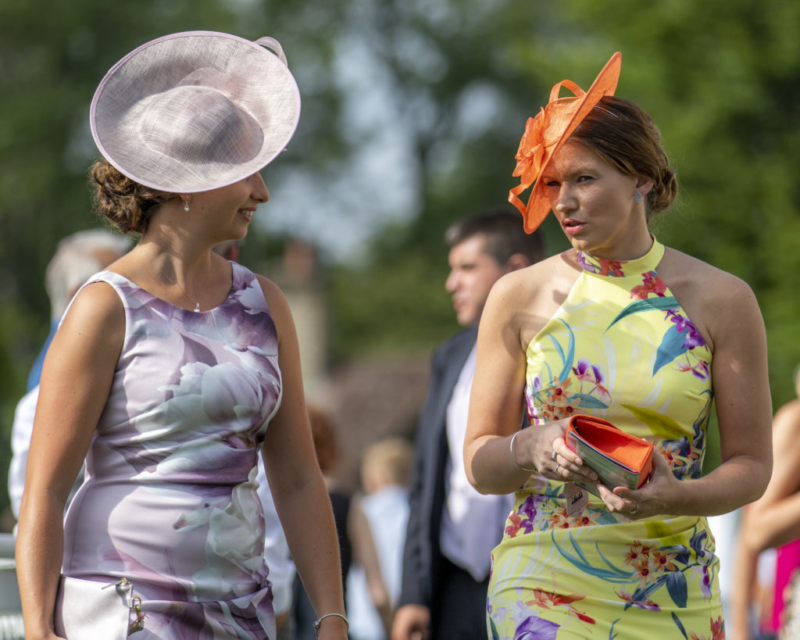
[595,204]
[232,206]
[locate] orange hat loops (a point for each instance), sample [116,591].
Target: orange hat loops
[551,128]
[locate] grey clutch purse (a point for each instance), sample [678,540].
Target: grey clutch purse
[88,610]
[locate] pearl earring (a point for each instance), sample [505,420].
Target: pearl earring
[637,196]
[186,204]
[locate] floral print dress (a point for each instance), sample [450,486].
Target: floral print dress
[620,347]
[169,499]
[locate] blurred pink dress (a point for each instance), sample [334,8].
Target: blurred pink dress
[170,500]
[788,560]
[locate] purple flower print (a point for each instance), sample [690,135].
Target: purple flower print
[684,325]
[534,628]
[582,370]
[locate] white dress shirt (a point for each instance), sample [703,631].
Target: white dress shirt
[472,523]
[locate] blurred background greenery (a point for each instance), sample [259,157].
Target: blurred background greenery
[412,112]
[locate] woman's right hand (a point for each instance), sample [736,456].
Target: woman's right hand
[545,449]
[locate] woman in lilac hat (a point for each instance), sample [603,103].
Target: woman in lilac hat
[173,369]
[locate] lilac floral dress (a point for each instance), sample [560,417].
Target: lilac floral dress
[169,501]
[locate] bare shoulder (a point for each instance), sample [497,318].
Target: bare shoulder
[529,297]
[277,303]
[97,307]
[540,278]
[715,300]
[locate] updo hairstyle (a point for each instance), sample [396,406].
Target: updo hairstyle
[626,137]
[126,203]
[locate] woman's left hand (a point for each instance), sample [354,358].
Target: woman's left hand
[659,496]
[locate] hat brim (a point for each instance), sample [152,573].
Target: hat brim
[604,85]
[261,86]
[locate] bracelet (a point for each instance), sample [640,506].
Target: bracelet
[318,622]
[514,458]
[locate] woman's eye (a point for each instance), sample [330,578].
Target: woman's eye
[550,183]
[585,178]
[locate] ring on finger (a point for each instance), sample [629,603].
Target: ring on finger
[634,510]
[558,469]
[553,455]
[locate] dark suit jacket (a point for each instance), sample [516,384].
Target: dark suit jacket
[422,555]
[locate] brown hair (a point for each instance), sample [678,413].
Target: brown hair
[503,232]
[626,137]
[126,203]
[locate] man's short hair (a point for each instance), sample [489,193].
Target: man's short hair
[503,233]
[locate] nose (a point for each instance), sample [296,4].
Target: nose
[260,192]
[565,200]
[451,283]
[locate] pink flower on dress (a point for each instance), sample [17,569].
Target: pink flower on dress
[642,604]
[652,284]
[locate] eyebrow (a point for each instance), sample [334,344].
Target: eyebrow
[578,171]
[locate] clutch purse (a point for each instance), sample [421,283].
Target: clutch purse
[619,458]
[88,610]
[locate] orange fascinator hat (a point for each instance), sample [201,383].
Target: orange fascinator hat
[551,128]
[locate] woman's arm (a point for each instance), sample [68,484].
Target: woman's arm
[301,497]
[744,412]
[496,403]
[365,554]
[76,380]
[774,520]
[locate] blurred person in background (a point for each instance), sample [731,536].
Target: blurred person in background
[385,473]
[772,523]
[173,368]
[77,258]
[75,255]
[451,527]
[356,544]
[619,327]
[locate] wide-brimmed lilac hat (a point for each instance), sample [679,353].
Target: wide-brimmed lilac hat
[196,111]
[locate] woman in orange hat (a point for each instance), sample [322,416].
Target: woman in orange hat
[622,328]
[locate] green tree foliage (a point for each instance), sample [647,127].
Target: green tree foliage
[458,79]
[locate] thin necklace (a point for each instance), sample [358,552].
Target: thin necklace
[183,291]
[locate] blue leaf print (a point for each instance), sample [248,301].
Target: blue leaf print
[567,358]
[672,346]
[570,353]
[676,587]
[650,304]
[613,575]
[643,594]
[611,634]
[588,402]
[495,633]
[678,624]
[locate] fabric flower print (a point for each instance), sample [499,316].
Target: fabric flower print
[547,599]
[636,552]
[684,325]
[651,284]
[641,604]
[535,628]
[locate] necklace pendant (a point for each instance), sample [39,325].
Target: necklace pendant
[197,307]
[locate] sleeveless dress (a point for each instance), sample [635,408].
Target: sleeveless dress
[620,347]
[170,499]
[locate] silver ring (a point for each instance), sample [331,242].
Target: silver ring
[558,466]
[553,455]
[635,510]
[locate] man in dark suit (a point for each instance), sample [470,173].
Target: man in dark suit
[451,527]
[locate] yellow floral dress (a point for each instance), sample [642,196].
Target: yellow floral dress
[621,348]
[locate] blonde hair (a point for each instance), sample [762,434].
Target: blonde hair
[387,462]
